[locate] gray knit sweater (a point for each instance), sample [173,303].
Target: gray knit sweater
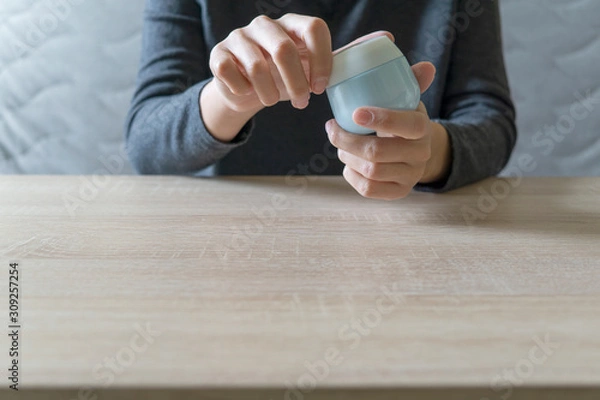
[470,96]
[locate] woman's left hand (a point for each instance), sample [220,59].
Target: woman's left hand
[409,148]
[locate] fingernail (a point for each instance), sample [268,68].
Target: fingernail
[364,117]
[320,85]
[301,104]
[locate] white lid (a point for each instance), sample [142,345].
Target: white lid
[363,57]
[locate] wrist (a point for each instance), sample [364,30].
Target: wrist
[222,121]
[438,167]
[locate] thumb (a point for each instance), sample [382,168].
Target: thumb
[425,74]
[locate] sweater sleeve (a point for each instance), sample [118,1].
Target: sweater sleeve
[477,110]
[165,133]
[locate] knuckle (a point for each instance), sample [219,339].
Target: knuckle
[256,68]
[334,138]
[261,20]
[220,67]
[236,34]
[383,120]
[372,151]
[316,26]
[216,50]
[284,51]
[286,16]
[370,170]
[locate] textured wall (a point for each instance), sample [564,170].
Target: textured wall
[67,71]
[553,57]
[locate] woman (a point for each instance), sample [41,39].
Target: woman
[224,90]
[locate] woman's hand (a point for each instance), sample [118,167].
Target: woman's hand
[270,61]
[408,149]
[262,64]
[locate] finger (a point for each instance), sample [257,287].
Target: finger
[366,38]
[425,74]
[255,67]
[381,172]
[315,34]
[235,102]
[378,149]
[410,125]
[373,189]
[284,53]
[225,69]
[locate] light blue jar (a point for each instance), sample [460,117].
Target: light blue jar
[372,73]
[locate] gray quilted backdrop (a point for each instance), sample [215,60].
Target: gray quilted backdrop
[553,58]
[67,70]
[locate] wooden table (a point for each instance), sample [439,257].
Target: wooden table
[267,288]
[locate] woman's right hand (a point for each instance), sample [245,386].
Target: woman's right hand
[270,61]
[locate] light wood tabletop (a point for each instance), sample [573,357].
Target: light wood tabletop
[297,288]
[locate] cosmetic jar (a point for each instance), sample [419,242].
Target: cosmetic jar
[372,73]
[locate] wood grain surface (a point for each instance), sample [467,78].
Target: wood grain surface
[299,285]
